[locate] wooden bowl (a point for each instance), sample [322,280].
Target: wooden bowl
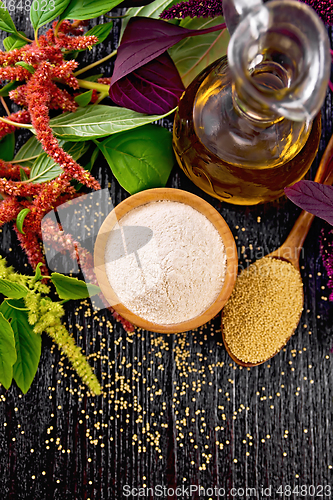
[197,203]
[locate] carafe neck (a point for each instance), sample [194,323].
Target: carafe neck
[279,58]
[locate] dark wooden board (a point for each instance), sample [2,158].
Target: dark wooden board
[176,411]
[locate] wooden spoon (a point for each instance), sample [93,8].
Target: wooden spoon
[290,250]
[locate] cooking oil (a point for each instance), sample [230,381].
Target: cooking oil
[234,149]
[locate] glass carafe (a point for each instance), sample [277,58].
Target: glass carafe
[249,124]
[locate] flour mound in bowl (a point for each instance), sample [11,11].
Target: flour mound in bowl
[172,264]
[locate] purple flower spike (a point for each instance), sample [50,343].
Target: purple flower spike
[324,9]
[326,251]
[193,8]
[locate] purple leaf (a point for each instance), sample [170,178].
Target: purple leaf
[145,79]
[155,88]
[144,39]
[313,197]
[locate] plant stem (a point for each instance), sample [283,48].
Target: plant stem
[19,125]
[23,160]
[3,102]
[24,37]
[59,23]
[85,84]
[328,163]
[102,96]
[96,63]
[115,17]
[36,37]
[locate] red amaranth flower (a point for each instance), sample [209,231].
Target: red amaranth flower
[39,95]
[19,96]
[69,195]
[105,80]
[64,71]
[12,188]
[11,57]
[61,99]
[63,41]
[19,117]
[9,210]
[14,73]
[77,43]
[11,172]
[47,199]
[32,54]
[67,27]
[94,96]
[36,55]
[33,249]
[193,8]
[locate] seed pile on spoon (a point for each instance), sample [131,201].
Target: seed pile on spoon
[263,310]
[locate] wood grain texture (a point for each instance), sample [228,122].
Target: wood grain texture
[180,196]
[175,411]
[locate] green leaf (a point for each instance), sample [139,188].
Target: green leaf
[88,9]
[45,168]
[30,150]
[23,175]
[98,120]
[6,22]
[38,274]
[7,146]
[93,158]
[102,31]
[43,12]
[193,54]
[141,158]
[152,10]
[4,92]
[20,219]
[14,42]
[27,344]
[84,99]
[72,288]
[93,78]
[17,304]
[26,66]
[12,290]
[7,352]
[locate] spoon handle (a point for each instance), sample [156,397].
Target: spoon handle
[325,169]
[292,247]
